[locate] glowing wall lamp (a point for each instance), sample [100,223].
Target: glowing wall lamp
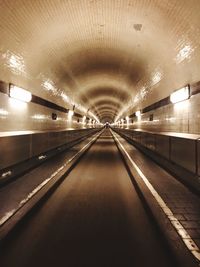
[180,95]
[70,113]
[138,113]
[19,93]
[84,118]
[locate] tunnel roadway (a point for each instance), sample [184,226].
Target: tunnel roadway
[94,218]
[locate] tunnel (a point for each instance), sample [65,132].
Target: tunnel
[100,133]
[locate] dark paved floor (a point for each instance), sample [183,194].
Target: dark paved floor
[184,204]
[15,192]
[95,218]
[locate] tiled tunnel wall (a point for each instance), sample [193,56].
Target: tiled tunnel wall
[16,115]
[28,130]
[178,153]
[21,147]
[183,117]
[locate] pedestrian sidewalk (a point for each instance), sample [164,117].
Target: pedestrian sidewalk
[184,204]
[17,193]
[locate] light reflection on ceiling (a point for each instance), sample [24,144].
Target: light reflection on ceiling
[121,55]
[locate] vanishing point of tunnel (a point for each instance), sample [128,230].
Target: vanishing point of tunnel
[100,133]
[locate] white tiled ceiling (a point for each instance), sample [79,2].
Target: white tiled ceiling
[110,56]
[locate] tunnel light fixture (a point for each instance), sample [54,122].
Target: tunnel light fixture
[138,113]
[19,93]
[84,119]
[180,95]
[6,174]
[41,157]
[70,113]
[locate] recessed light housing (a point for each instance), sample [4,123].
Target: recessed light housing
[138,113]
[180,95]
[19,93]
[70,113]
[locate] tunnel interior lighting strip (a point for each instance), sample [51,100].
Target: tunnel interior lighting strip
[19,93]
[180,95]
[70,113]
[5,89]
[84,119]
[138,113]
[182,232]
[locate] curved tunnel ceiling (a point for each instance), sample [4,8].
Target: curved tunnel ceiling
[110,57]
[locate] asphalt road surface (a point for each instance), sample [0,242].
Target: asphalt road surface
[94,218]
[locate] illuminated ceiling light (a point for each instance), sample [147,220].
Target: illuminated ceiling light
[138,113]
[180,95]
[19,93]
[84,118]
[70,113]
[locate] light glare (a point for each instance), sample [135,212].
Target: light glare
[138,113]
[70,113]
[180,95]
[84,118]
[20,94]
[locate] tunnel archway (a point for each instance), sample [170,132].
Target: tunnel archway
[134,53]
